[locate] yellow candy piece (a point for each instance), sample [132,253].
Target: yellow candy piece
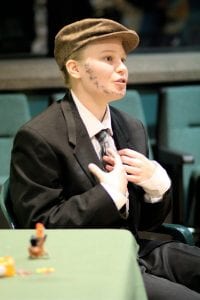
[45,270]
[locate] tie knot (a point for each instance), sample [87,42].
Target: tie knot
[101,135]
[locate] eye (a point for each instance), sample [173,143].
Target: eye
[108,58]
[123,59]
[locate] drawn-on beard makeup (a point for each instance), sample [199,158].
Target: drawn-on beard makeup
[94,79]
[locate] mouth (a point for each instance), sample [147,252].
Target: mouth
[121,80]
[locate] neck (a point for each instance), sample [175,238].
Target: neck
[96,106]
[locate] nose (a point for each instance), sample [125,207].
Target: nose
[122,68]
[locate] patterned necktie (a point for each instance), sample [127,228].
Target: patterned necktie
[103,139]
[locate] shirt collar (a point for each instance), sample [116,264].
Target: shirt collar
[92,124]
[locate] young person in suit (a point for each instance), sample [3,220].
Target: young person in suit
[59,178]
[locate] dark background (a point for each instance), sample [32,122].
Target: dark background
[28,27]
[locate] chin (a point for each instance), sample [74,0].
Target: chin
[119,95]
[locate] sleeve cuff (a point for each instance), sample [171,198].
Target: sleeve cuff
[118,198]
[157,185]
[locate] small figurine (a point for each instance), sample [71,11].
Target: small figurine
[36,248]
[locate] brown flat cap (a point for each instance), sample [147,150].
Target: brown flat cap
[76,35]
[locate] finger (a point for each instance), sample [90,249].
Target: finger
[132,170]
[134,179]
[115,155]
[96,171]
[131,161]
[109,168]
[130,153]
[108,160]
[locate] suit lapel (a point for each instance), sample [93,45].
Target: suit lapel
[120,135]
[78,137]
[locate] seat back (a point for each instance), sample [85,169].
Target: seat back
[179,127]
[14,112]
[8,221]
[56,96]
[132,105]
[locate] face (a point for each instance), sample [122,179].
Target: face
[102,69]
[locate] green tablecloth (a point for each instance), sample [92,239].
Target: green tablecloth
[89,264]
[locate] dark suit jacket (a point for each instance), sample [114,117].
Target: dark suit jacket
[50,181]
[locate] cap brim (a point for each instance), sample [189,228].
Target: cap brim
[130,40]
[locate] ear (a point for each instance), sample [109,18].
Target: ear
[73,68]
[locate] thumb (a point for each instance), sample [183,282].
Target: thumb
[96,171]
